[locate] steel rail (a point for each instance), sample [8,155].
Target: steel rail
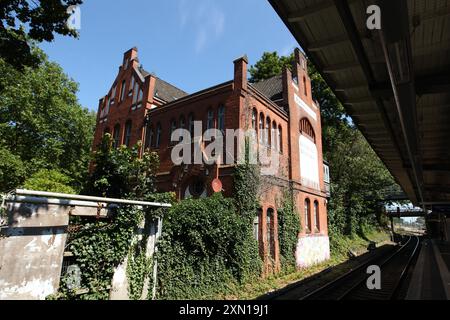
[386,261]
[352,271]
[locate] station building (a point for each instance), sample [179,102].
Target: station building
[142,107]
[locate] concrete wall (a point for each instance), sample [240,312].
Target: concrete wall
[31,254]
[149,232]
[312,250]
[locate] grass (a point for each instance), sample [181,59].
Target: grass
[340,247]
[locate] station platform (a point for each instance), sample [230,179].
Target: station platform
[431,278]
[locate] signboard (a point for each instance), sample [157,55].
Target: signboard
[309,163]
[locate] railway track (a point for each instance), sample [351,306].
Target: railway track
[353,286]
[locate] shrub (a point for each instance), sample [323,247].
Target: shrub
[205,249]
[50,181]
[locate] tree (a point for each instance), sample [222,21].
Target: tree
[270,65]
[22,21]
[41,122]
[50,181]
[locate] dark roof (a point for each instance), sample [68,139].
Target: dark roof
[164,90]
[168,92]
[271,88]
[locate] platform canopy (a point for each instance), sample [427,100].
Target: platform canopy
[394,82]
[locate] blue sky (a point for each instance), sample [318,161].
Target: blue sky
[190,43]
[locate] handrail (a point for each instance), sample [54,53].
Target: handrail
[22,192]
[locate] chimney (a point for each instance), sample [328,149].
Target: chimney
[130,58]
[240,73]
[300,61]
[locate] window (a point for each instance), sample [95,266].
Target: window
[197,188]
[158,136]
[191,124]
[127,138]
[280,139]
[221,120]
[127,61]
[316,217]
[307,216]
[305,86]
[116,136]
[149,138]
[267,134]
[274,136]
[173,127]
[135,93]
[210,121]
[256,228]
[133,81]
[307,129]
[182,125]
[122,90]
[254,120]
[270,223]
[139,100]
[261,128]
[113,95]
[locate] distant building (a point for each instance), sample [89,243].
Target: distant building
[143,107]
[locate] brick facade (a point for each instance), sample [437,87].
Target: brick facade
[284,102]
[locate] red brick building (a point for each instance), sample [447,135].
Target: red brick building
[142,107]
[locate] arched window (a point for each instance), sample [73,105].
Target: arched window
[221,118]
[182,122]
[127,137]
[274,136]
[140,97]
[116,136]
[122,90]
[132,82]
[173,127]
[191,124]
[280,139]
[307,129]
[149,137]
[316,217]
[256,228]
[307,216]
[135,92]
[305,86]
[254,119]
[268,129]
[158,136]
[261,128]
[210,119]
[270,230]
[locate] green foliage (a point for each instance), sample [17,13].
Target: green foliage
[50,181]
[12,171]
[246,185]
[121,172]
[42,124]
[270,65]
[22,22]
[100,246]
[139,268]
[205,249]
[288,230]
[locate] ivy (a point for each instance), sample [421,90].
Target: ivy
[289,228]
[99,247]
[206,249]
